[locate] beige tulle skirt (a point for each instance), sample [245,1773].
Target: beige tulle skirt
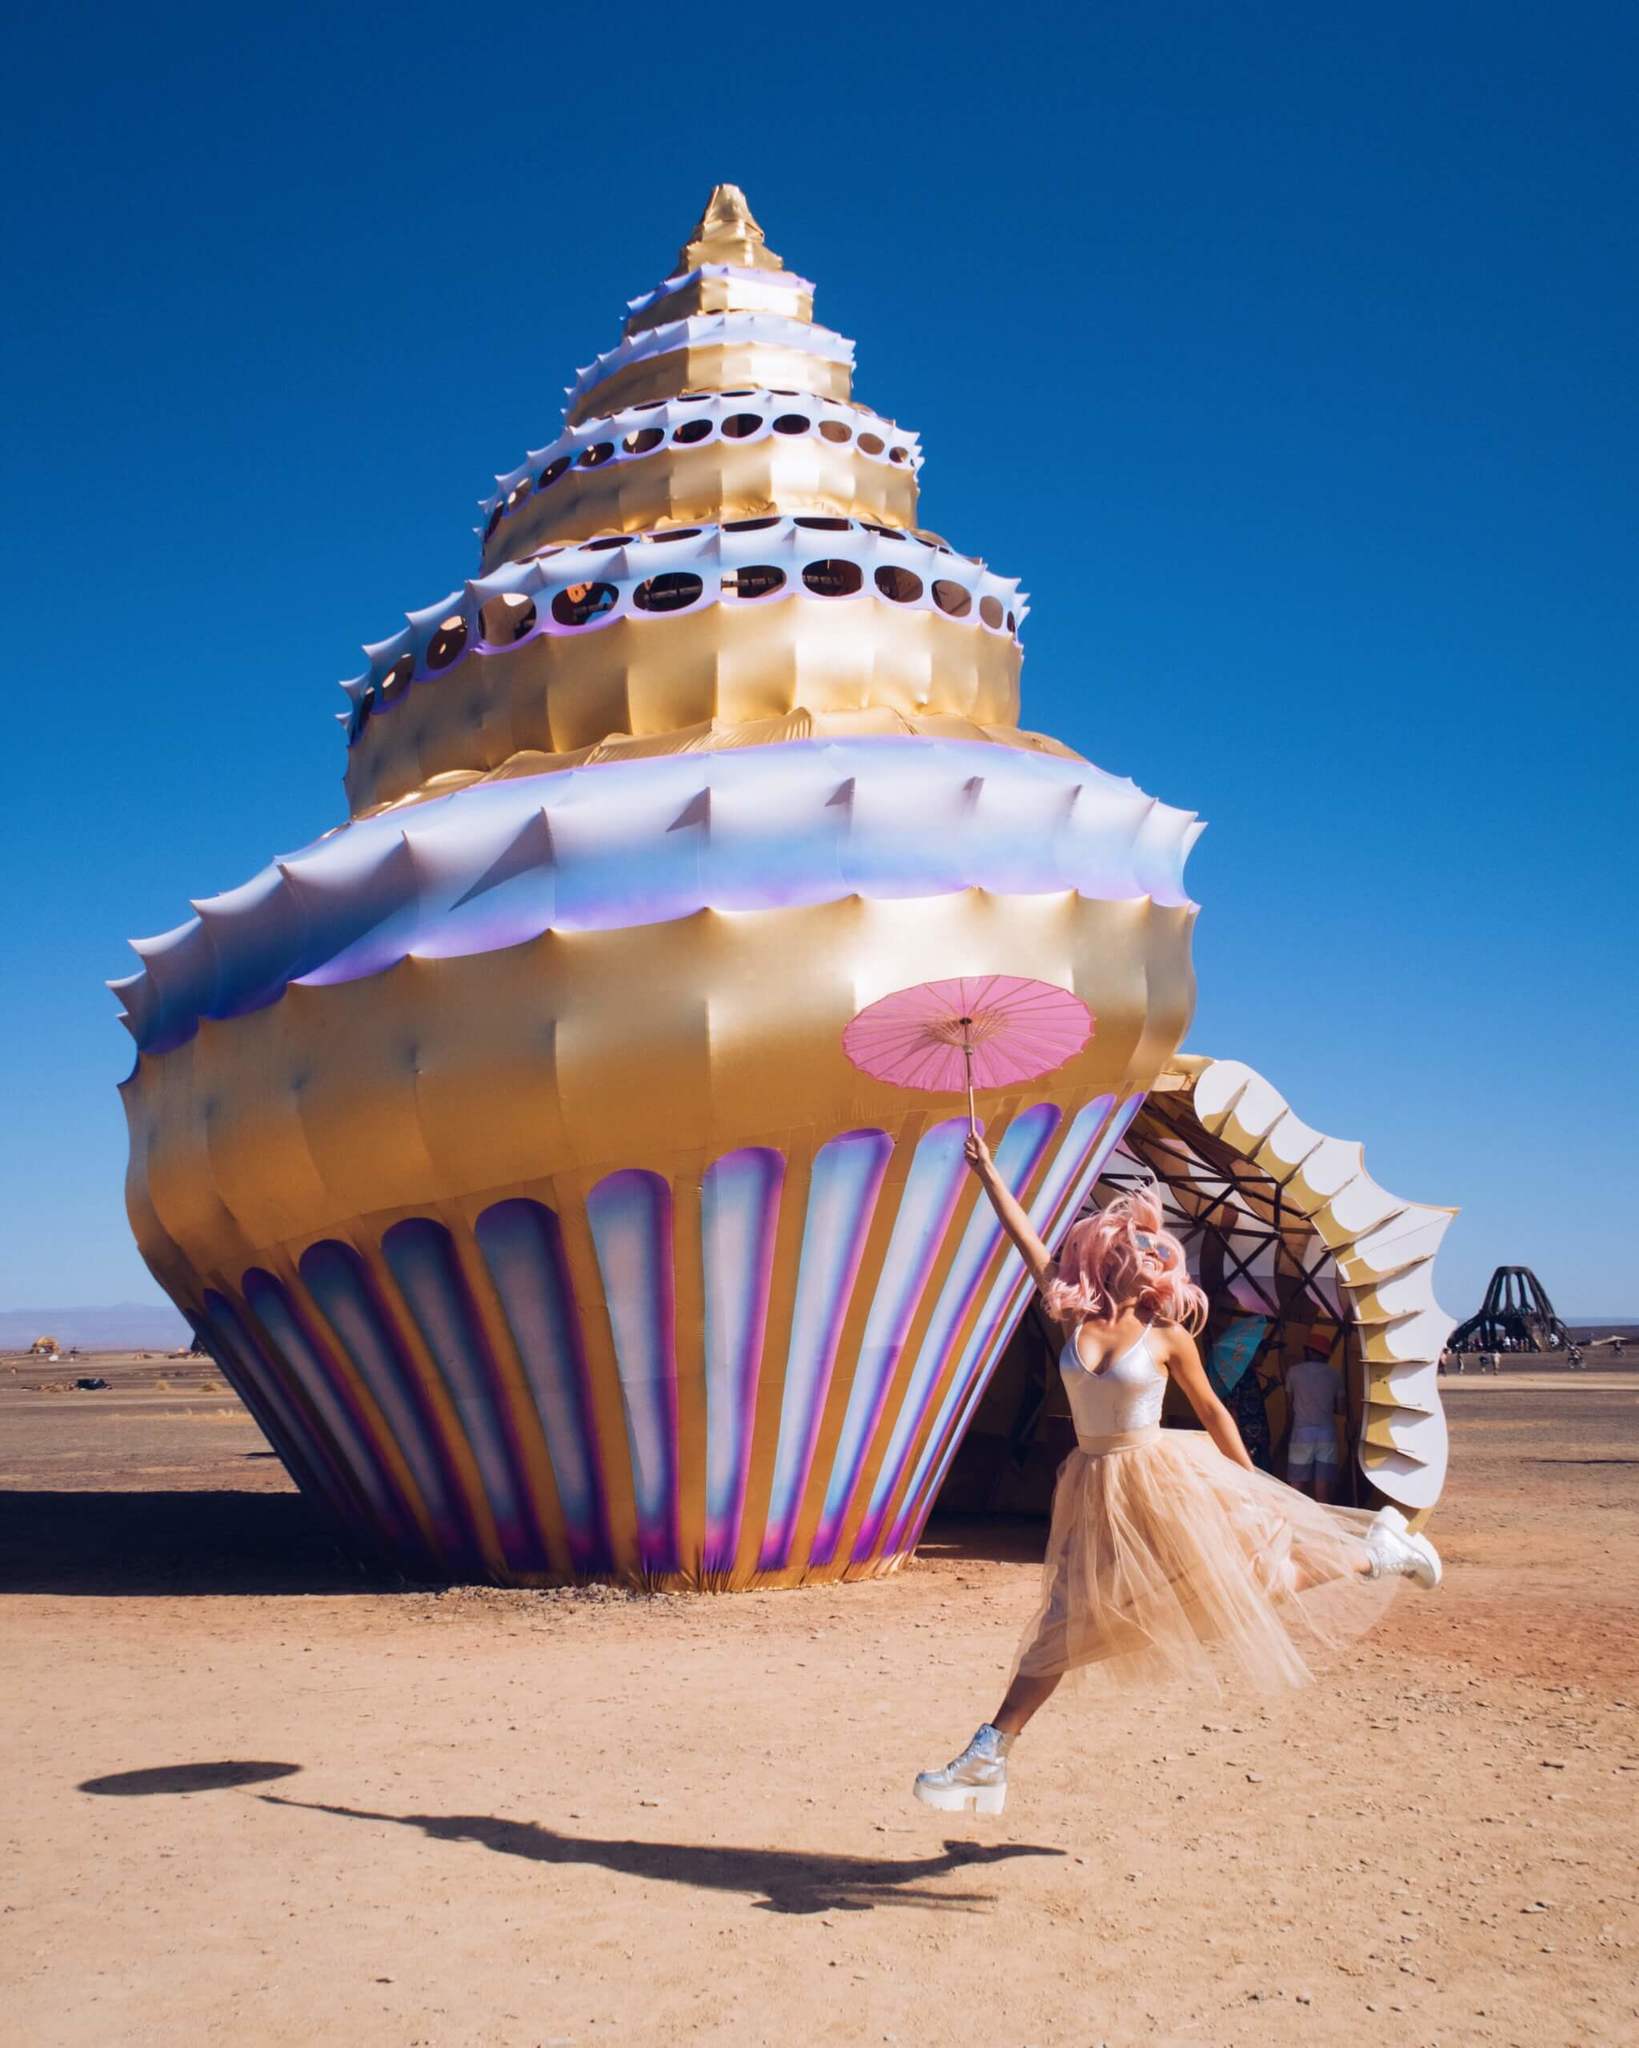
[1166,1561]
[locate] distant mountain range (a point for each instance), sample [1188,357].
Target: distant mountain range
[123,1326]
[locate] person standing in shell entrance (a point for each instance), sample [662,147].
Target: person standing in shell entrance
[1169,1557]
[1316,1389]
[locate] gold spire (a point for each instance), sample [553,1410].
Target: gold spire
[726,236]
[727,232]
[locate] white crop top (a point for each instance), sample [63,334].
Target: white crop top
[1125,1393]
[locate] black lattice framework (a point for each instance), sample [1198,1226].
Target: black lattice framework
[1252,1251]
[1280,1223]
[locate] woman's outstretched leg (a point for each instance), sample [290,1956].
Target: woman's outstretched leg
[976,1781]
[1024,1698]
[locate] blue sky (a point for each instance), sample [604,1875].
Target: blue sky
[1285,352]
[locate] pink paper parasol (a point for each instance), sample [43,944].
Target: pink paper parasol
[980,1030]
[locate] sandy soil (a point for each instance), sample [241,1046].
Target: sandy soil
[529,1819]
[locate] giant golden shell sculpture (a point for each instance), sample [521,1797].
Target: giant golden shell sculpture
[501,1144]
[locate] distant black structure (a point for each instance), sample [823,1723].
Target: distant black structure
[1516,1315]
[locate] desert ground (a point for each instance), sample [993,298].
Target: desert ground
[257,1796]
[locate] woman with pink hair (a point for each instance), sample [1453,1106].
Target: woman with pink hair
[1169,1555]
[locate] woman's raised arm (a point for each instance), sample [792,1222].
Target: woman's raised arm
[1013,1219]
[1184,1364]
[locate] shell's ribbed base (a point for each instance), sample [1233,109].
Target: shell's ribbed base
[753,1375]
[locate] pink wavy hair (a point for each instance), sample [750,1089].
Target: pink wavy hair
[1124,1258]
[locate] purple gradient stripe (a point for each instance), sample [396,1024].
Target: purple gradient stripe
[245,1367]
[925,1210]
[335,1276]
[739,1212]
[257,1381]
[522,1246]
[420,1255]
[332,1400]
[1015,1158]
[1067,1187]
[630,1213]
[842,1196]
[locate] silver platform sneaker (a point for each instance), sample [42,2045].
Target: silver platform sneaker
[1393,1549]
[975,1781]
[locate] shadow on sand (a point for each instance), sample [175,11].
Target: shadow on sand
[174,1543]
[117,1544]
[224,1775]
[779,1880]
[984,1539]
[1580,1461]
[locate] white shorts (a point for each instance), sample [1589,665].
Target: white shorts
[1312,1447]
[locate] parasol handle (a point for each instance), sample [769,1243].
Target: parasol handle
[967,1056]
